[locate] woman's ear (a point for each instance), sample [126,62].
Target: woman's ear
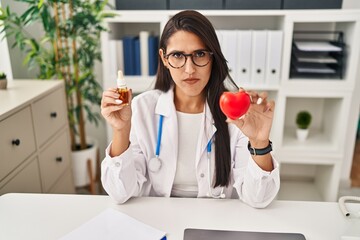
[163,59]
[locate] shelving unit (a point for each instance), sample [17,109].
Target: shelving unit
[310,170]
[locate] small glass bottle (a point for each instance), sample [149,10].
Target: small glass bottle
[122,88]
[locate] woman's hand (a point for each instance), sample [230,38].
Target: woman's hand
[256,123]
[118,115]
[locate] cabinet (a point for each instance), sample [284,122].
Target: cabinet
[310,170]
[34,139]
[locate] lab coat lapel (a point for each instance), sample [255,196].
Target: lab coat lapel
[207,131]
[169,141]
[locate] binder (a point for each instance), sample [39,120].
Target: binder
[137,62]
[119,55]
[219,37]
[129,55]
[273,57]
[144,52]
[258,62]
[229,49]
[243,66]
[153,43]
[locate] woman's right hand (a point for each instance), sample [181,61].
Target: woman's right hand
[118,115]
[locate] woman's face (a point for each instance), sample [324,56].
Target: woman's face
[190,80]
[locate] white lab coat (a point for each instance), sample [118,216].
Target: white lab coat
[127,175]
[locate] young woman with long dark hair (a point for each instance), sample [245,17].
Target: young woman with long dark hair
[175,140]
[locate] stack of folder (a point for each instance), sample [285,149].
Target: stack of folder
[138,55]
[320,57]
[253,56]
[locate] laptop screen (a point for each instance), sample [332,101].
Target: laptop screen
[205,234]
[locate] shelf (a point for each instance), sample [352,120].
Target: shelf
[299,191]
[317,141]
[325,136]
[120,29]
[274,22]
[349,30]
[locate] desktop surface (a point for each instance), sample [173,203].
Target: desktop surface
[51,216]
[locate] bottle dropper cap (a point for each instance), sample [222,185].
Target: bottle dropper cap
[120,81]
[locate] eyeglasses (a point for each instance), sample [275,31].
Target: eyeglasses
[200,58]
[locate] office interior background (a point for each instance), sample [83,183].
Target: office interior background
[100,132]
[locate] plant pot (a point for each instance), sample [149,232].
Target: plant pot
[3,83]
[80,165]
[302,134]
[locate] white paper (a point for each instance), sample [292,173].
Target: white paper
[314,70]
[111,224]
[317,46]
[317,59]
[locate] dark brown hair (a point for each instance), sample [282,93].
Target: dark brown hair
[196,23]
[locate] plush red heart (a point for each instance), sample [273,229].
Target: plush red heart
[234,105]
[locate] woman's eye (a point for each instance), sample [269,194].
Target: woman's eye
[177,55]
[200,54]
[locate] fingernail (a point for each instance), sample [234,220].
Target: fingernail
[259,101]
[118,101]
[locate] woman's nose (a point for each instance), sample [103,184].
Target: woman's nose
[189,66]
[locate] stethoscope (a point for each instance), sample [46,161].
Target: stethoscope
[155,163]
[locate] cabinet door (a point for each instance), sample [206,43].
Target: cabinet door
[54,160]
[26,181]
[49,115]
[16,141]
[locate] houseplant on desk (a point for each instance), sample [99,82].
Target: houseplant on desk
[66,48]
[303,120]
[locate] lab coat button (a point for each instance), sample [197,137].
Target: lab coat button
[117,164]
[202,175]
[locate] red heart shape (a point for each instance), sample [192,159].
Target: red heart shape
[234,105]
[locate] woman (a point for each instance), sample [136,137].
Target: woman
[200,152]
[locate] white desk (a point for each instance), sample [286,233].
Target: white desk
[50,216]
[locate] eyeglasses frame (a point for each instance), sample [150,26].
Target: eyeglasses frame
[191,55]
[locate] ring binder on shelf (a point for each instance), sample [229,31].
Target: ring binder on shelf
[318,54]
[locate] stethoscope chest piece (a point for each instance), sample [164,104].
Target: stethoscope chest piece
[154,164]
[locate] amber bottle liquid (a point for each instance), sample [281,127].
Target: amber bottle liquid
[122,88]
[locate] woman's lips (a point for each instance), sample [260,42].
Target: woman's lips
[191,80]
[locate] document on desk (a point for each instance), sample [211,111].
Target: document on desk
[111,224]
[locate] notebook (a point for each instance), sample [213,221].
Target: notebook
[205,234]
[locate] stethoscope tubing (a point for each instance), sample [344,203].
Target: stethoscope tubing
[208,150]
[159,134]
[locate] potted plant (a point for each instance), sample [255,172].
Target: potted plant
[67,48]
[303,120]
[3,80]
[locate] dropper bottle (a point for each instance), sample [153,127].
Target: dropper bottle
[122,88]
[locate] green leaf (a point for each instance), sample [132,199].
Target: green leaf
[41,2]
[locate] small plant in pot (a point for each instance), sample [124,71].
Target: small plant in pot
[3,80]
[303,120]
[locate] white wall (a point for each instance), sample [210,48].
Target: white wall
[5,64]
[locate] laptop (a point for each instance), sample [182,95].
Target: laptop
[206,234]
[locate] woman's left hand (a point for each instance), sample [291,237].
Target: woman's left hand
[256,123]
